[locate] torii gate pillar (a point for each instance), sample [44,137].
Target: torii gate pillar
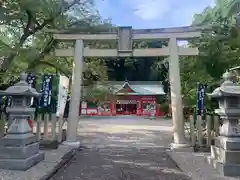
[72,125]
[176,97]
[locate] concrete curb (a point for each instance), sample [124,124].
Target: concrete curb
[64,160]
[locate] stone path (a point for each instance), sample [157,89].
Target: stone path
[123,149]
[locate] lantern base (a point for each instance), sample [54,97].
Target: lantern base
[232,170]
[225,156]
[18,139]
[21,164]
[228,143]
[17,152]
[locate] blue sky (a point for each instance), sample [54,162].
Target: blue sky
[151,13]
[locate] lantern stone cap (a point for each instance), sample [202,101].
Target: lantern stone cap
[227,88]
[225,91]
[21,88]
[228,76]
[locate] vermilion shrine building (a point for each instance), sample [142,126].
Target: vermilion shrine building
[131,98]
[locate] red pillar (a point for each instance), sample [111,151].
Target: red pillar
[113,109]
[139,107]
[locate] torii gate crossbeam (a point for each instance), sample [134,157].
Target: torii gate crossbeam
[125,37]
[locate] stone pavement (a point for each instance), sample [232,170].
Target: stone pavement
[123,149]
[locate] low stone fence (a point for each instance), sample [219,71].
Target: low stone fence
[46,127]
[49,127]
[203,131]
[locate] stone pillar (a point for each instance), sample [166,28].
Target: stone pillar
[176,99]
[75,96]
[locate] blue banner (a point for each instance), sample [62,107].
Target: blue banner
[200,98]
[46,90]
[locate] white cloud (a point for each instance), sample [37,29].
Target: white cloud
[149,9]
[213,3]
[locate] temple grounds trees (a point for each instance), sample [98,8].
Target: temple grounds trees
[219,48]
[25,44]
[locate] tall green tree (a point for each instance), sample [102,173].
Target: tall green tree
[223,9]
[219,49]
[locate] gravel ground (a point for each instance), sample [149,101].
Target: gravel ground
[123,149]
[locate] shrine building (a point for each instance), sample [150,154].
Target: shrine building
[130,98]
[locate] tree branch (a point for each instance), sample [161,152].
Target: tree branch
[28,32]
[47,21]
[46,50]
[66,61]
[66,73]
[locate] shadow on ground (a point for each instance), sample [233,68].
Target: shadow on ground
[122,151]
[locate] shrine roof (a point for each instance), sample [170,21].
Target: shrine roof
[138,88]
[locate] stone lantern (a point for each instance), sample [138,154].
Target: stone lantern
[19,149]
[225,154]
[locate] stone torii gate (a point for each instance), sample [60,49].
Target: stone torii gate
[125,36]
